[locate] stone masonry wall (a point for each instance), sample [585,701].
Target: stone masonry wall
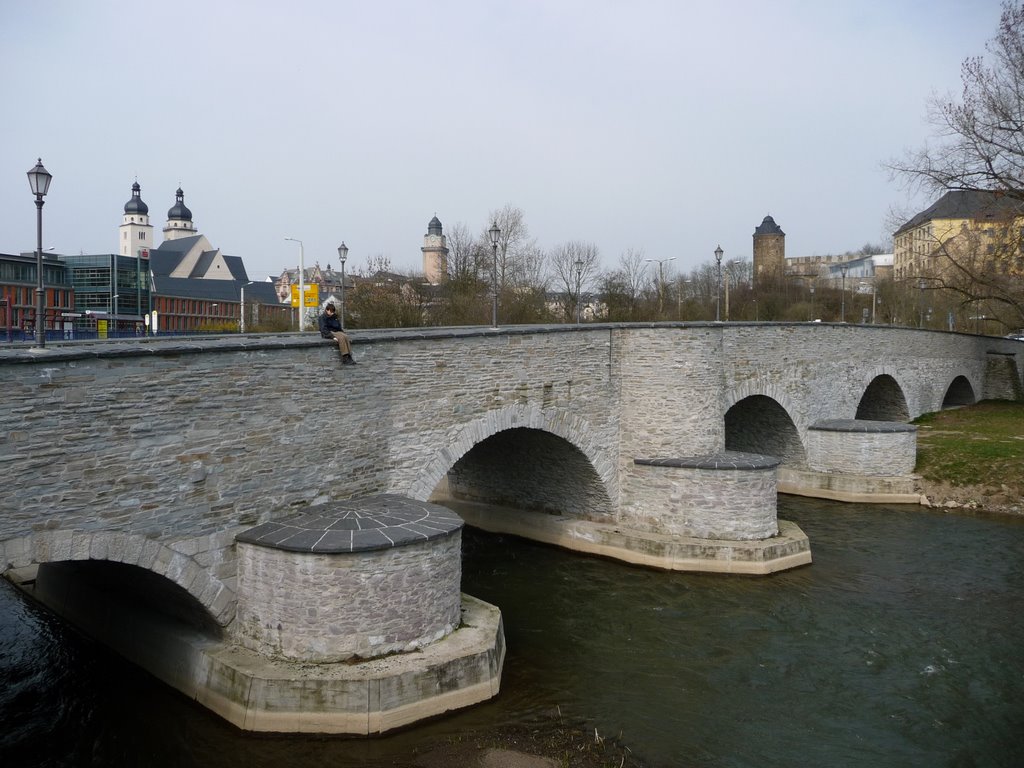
[709,503]
[677,382]
[176,441]
[876,454]
[331,607]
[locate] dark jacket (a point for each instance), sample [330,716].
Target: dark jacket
[328,324]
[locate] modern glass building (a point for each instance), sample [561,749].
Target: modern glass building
[112,292]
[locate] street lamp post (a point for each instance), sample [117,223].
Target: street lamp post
[920,302]
[579,278]
[661,283]
[241,308]
[812,303]
[872,285]
[495,233]
[39,182]
[343,255]
[112,331]
[718,289]
[302,283]
[842,300]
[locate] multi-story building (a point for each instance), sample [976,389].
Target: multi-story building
[18,282]
[962,224]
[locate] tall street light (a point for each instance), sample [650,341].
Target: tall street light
[241,307]
[718,290]
[661,283]
[920,302]
[812,303]
[842,300]
[579,278]
[39,183]
[872,286]
[302,283]
[495,233]
[343,255]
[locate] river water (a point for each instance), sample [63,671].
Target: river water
[902,645]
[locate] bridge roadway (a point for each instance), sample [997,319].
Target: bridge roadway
[660,444]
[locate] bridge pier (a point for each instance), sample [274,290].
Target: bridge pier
[349,620]
[857,460]
[714,513]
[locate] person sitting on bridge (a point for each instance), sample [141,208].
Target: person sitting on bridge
[330,328]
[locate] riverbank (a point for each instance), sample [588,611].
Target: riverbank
[973,457]
[548,744]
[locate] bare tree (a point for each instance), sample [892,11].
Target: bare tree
[514,244]
[573,265]
[979,146]
[467,256]
[980,137]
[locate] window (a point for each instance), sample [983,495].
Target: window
[124,235]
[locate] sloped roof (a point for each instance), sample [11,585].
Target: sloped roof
[191,288]
[768,227]
[214,290]
[967,204]
[180,245]
[202,265]
[237,267]
[165,259]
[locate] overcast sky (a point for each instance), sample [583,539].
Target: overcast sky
[670,126]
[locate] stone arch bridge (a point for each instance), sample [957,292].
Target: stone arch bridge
[661,444]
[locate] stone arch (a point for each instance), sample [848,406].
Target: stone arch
[883,400]
[569,427]
[769,389]
[128,549]
[959,392]
[759,424]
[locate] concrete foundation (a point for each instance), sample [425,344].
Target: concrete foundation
[789,549]
[847,487]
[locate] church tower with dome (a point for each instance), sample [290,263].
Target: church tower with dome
[136,231]
[179,219]
[435,253]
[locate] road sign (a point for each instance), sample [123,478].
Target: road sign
[312,298]
[312,295]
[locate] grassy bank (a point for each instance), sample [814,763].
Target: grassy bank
[978,449]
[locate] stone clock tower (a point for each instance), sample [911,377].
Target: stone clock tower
[435,253]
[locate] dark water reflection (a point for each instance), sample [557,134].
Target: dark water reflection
[902,645]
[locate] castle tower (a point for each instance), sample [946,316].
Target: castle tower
[136,231]
[179,219]
[769,250]
[435,253]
